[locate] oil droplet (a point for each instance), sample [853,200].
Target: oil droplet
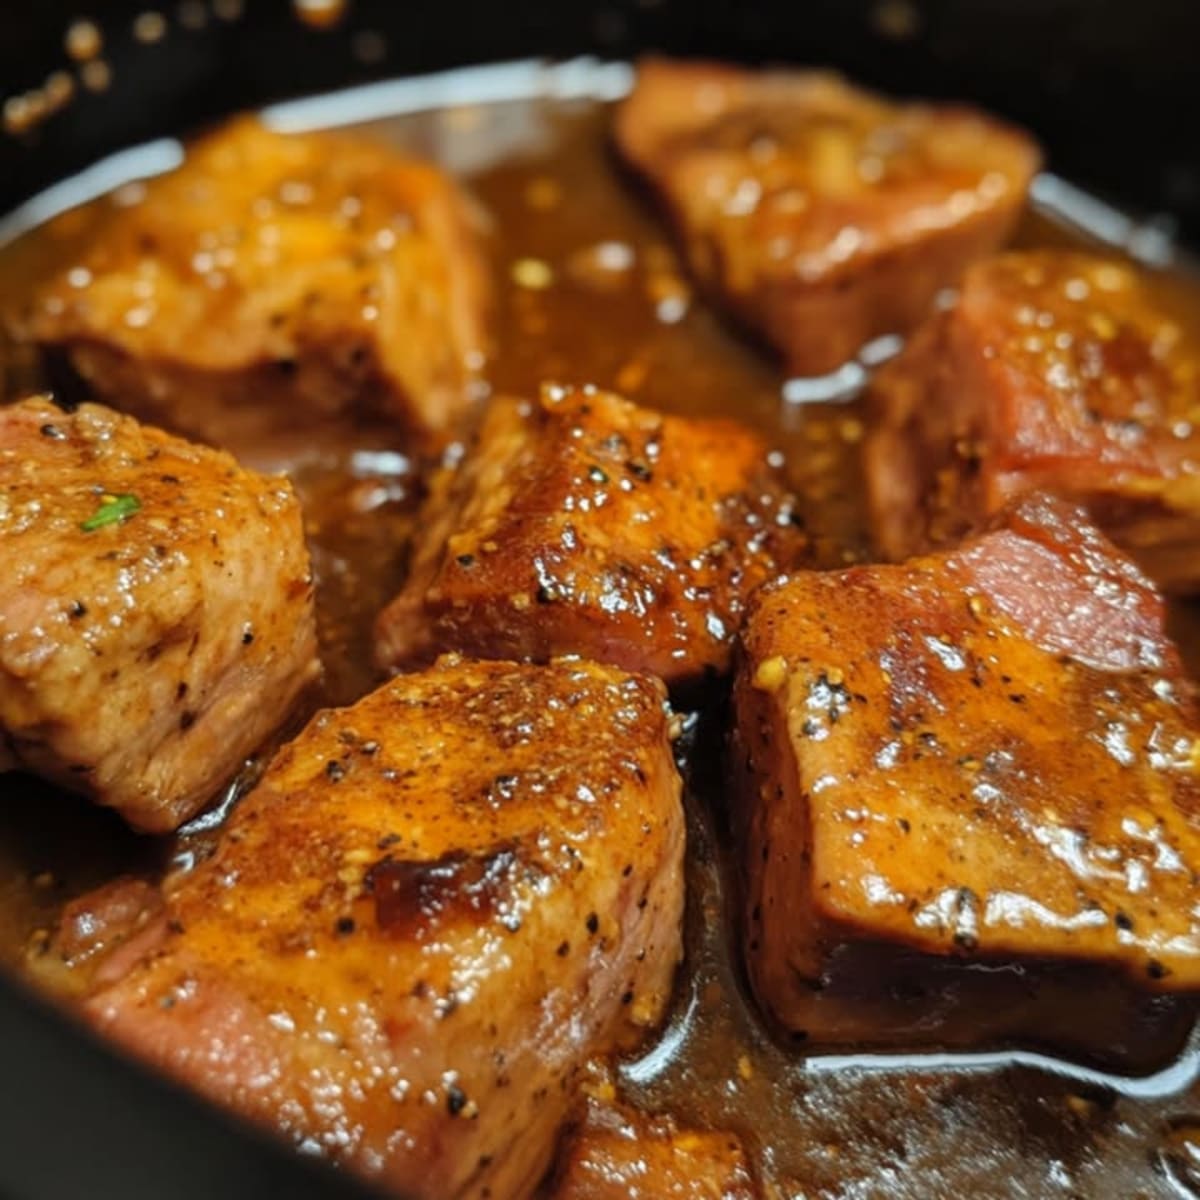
[1179,1155]
[193,15]
[83,41]
[59,88]
[150,27]
[532,273]
[896,19]
[96,75]
[320,14]
[20,114]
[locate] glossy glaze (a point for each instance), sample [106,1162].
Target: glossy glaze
[615,309]
[820,214]
[908,780]
[434,908]
[579,523]
[275,284]
[1053,369]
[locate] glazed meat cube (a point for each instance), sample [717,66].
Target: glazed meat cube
[1056,371]
[618,1154]
[982,757]
[434,908]
[583,524]
[819,214]
[156,610]
[273,283]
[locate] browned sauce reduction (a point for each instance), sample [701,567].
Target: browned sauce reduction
[590,291]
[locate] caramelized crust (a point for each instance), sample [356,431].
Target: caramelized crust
[819,214]
[615,1153]
[434,908]
[272,283]
[583,524]
[1057,371]
[988,754]
[156,610]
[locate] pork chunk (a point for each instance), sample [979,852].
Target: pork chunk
[614,1153]
[986,757]
[156,610]
[1055,370]
[821,215]
[434,908]
[583,524]
[273,283]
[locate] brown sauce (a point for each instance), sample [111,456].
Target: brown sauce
[590,291]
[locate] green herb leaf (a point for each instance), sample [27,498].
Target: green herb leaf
[112,510]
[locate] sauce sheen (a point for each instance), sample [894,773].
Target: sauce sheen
[590,290]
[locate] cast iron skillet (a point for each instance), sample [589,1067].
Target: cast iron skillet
[1109,87]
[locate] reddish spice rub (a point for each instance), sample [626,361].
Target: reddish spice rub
[437,905]
[821,215]
[583,524]
[1054,370]
[988,754]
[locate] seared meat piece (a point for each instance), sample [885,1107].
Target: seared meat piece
[821,215]
[583,524]
[436,905]
[617,1154]
[1053,371]
[275,282]
[156,610]
[988,755]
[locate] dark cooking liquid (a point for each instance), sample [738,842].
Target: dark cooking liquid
[589,291]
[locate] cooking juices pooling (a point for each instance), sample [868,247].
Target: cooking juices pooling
[590,291]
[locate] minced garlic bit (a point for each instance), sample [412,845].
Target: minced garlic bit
[532,273]
[771,674]
[601,1089]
